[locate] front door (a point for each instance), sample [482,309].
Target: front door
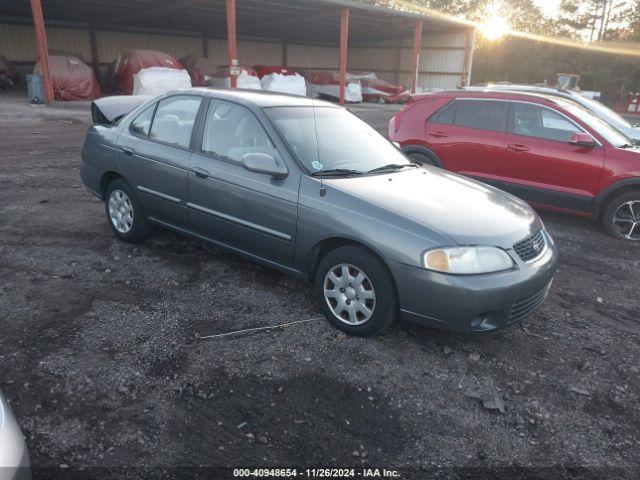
[251,212]
[544,167]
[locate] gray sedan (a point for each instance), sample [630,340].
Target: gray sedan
[14,459]
[306,187]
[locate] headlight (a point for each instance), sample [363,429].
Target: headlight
[467,260]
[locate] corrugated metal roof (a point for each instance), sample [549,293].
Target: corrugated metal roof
[289,20]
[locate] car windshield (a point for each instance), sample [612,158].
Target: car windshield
[608,131]
[333,140]
[609,115]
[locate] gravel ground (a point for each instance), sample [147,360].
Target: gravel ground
[100,360]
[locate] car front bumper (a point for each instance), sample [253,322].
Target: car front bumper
[473,303]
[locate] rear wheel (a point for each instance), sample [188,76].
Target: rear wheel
[124,212]
[621,218]
[355,291]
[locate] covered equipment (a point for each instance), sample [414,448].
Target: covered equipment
[130,62]
[375,89]
[72,79]
[324,83]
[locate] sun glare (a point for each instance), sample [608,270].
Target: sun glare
[494,28]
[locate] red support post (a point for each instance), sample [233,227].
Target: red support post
[344,39]
[43,49]
[417,39]
[231,41]
[205,46]
[467,54]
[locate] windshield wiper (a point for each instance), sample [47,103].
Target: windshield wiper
[392,166]
[335,172]
[627,145]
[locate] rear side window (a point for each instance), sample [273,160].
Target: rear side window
[231,131]
[142,123]
[540,122]
[482,114]
[445,115]
[174,120]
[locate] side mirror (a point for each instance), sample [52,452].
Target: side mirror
[582,140]
[265,163]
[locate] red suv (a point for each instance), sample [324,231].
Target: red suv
[547,150]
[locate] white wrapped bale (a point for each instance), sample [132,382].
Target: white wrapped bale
[292,84]
[245,80]
[154,80]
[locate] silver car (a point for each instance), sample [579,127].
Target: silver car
[308,188]
[597,108]
[14,458]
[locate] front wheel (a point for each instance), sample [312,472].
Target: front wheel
[355,292]
[621,218]
[124,212]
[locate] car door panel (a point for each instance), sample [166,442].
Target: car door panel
[158,170]
[544,168]
[159,174]
[471,139]
[253,212]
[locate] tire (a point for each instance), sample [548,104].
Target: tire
[383,304]
[422,159]
[124,212]
[628,221]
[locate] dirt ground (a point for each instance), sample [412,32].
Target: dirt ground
[101,364]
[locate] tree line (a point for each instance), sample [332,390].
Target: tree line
[613,24]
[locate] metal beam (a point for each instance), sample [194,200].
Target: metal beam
[344,40]
[417,39]
[149,11]
[231,42]
[43,48]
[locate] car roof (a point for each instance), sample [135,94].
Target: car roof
[497,94]
[259,98]
[523,87]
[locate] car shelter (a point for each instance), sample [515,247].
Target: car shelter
[419,51]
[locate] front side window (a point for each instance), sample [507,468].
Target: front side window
[536,121]
[231,131]
[331,138]
[174,120]
[609,132]
[140,125]
[482,114]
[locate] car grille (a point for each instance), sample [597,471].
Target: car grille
[531,247]
[524,307]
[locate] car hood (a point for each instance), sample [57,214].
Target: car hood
[466,211]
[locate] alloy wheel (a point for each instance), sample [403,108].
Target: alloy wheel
[626,220]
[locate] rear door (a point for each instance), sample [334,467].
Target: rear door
[155,156]
[252,212]
[468,135]
[543,166]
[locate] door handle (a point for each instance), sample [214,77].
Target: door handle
[438,134]
[128,151]
[516,147]
[200,172]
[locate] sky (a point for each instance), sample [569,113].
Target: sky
[549,7]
